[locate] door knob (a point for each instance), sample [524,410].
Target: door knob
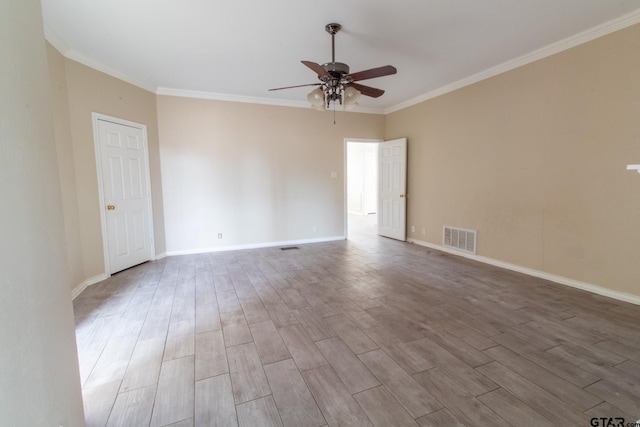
[402,195]
[111,207]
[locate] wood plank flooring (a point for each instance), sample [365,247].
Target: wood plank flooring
[368,331]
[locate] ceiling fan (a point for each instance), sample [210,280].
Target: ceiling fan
[337,84]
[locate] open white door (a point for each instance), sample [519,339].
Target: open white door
[392,176]
[124,171]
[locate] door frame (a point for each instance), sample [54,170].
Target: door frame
[95,117]
[345,174]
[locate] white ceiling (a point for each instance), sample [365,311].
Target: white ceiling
[237,49]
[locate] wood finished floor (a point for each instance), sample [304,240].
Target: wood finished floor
[368,331]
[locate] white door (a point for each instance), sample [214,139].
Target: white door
[125,184]
[392,175]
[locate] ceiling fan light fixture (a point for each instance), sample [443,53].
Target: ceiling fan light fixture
[350,98]
[316,98]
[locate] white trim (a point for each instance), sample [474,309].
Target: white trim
[54,39]
[228,97]
[57,42]
[557,47]
[609,27]
[621,296]
[255,246]
[365,140]
[160,256]
[86,283]
[252,99]
[99,66]
[95,117]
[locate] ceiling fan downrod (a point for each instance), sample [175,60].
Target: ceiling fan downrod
[332,29]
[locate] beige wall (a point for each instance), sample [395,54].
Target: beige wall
[534,159]
[39,379]
[90,91]
[66,165]
[255,173]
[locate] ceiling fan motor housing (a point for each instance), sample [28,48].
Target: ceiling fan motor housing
[336,69]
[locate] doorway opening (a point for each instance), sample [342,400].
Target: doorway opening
[375,188]
[361,188]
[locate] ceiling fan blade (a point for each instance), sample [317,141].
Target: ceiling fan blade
[367,90]
[386,70]
[321,72]
[291,87]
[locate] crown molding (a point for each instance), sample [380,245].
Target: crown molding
[250,99]
[99,66]
[586,36]
[185,93]
[57,42]
[604,29]
[54,39]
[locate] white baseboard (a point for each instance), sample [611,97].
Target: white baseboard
[255,246]
[88,282]
[160,256]
[621,296]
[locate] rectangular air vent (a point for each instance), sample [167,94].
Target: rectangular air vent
[459,238]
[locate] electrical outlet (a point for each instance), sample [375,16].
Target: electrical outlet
[424,231]
[315,228]
[219,235]
[413,228]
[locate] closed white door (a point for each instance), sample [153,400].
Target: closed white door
[125,184]
[392,176]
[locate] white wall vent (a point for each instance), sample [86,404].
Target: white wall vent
[459,238]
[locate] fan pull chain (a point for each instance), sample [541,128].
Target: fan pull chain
[334,113]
